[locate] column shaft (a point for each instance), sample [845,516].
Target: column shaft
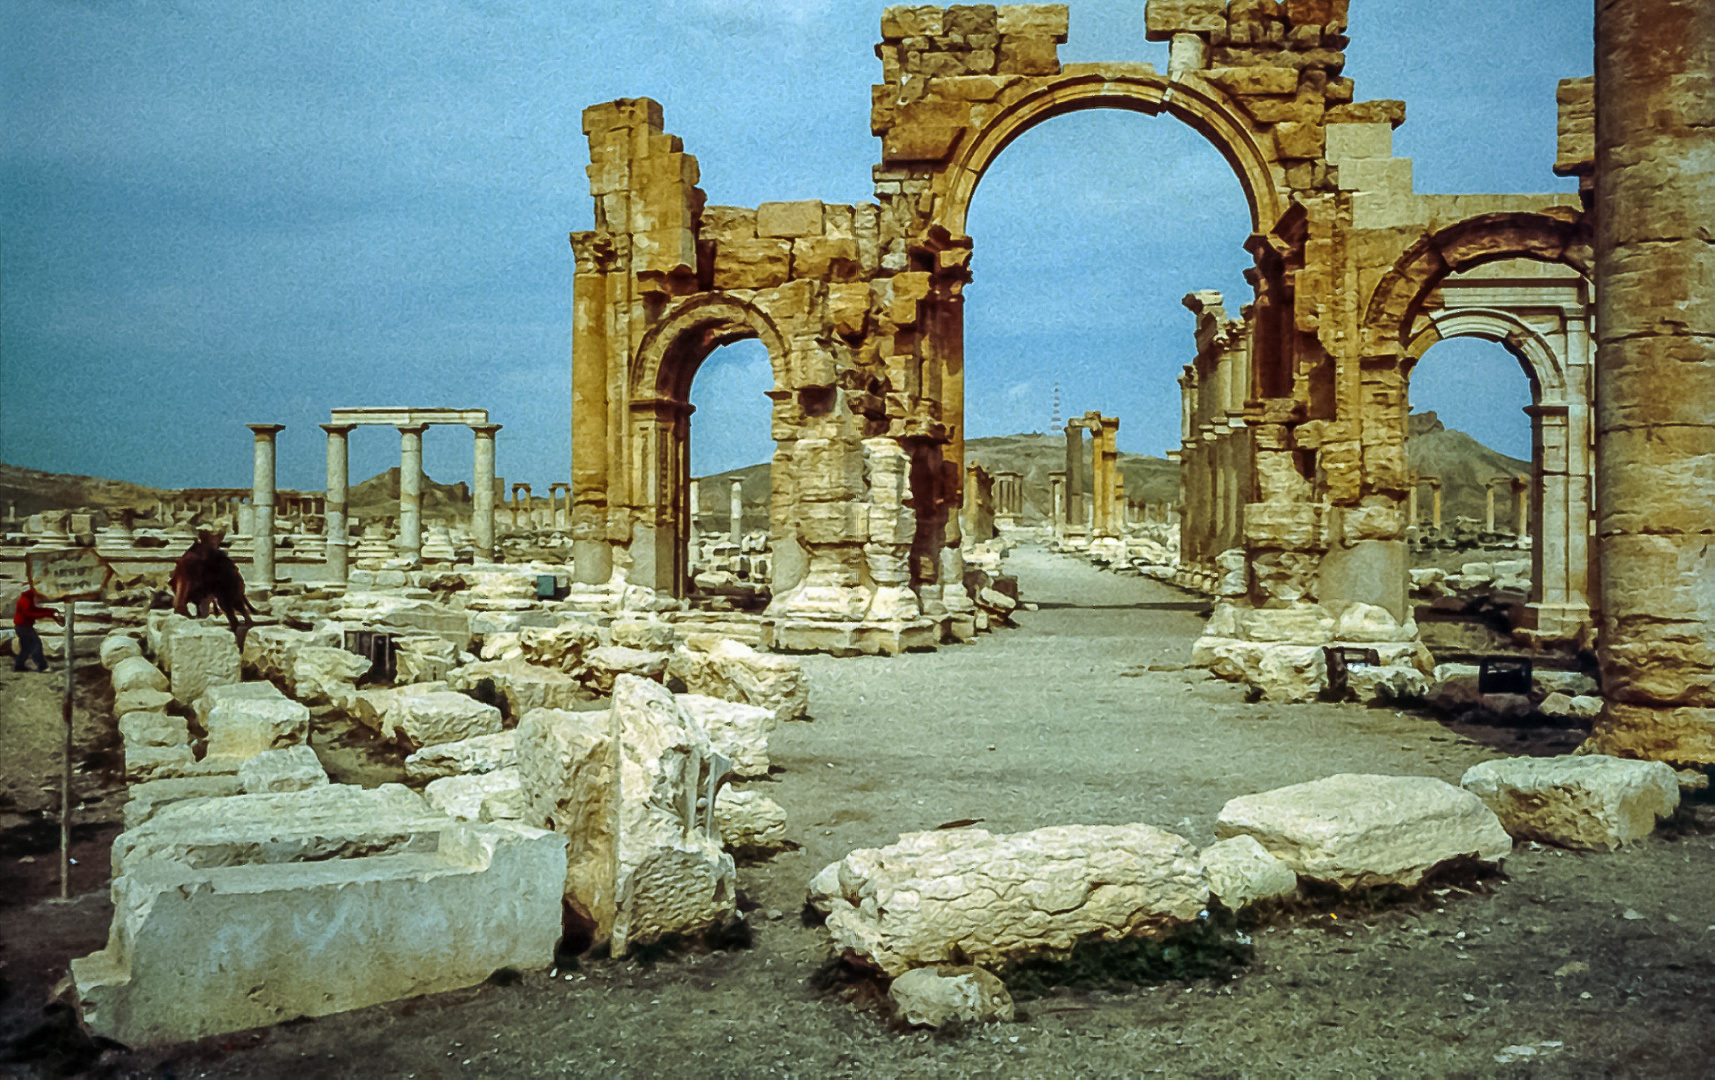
[1655,377]
[262,503]
[482,491]
[339,483]
[738,511]
[410,543]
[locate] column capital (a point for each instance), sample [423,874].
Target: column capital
[266,431]
[337,429]
[487,430]
[412,429]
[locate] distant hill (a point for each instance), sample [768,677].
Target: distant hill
[34,491]
[378,497]
[1035,456]
[1463,465]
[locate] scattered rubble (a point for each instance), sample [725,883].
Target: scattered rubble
[1590,802]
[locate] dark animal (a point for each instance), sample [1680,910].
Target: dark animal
[207,577]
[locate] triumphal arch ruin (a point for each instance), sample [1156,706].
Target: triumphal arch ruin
[1294,445]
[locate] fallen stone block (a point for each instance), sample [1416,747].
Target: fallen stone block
[937,895]
[269,651]
[322,675]
[1571,683]
[1290,674]
[423,658]
[1591,802]
[291,768]
[750,824]
[242,726]
[462,797]
[153,729]
[507,804]
[466,757]
[1385,685]
[145,799]
[370,707]
[733,671]
[141,700]
[291,826]
[640,863]
[1561,707]
[936,996]
[737,730]
[157,762]
[198,656]
[1241,872]
[199,948]
[116,647]
[606,664]
[562,647]
[648,634]
[1356,831]
[441,716]
[136,673]
[521,686]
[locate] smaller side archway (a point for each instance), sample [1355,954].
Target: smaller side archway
[658,427]
[1541,313]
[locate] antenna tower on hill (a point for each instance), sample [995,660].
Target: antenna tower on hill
[1054,423]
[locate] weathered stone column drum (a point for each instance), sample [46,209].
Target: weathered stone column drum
[262,504]
[1655,376]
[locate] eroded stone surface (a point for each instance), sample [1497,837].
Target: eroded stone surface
[934,895]
[737,730]
[733,671]
[1241,872]
[291,768]
[244,725]
[1357,830]
[749,822]
[466,757]
[462,797]
[1586,801]
[638,861]
[933,996]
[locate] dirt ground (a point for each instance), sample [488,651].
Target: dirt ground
[1564,965]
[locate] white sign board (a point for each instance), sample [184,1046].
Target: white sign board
[74,574]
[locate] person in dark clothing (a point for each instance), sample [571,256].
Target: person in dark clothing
[24,618]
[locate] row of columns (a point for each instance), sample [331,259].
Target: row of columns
[1412,509]
[736,508]
[1008,495]
[1105,485]
[1520,488]
[410,541]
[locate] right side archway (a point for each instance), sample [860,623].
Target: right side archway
[1541,313]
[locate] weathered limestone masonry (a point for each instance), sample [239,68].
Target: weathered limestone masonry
[1655,209]
[861,309]
[1215,451]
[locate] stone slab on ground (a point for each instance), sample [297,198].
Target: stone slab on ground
[462,797]
[935,996]
[440,716]
[293,826]
[466,757]
[290,768]
[522,685]
[146,799]
[243,725]
[609,662]
[1357,830]
[154,729]
[1592,801]
[934,896]
[200,949]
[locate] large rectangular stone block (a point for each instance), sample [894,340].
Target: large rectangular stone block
[200,950]
[201,655]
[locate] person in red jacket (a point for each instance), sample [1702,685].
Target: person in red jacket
[24,621]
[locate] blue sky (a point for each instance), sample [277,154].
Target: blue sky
[214,213]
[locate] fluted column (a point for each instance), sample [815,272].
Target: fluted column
[262,502]
[410,541]
[482,491]
[339,483]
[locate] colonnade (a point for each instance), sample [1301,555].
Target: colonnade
[1008,495]
[1105,487]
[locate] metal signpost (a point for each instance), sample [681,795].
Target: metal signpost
[67,576]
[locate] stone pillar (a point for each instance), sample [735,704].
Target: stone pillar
[1074,474]
[262,504]
[738,511]
[410,541]
[1489,510]
[1057,496]
[1411,506]
[1435,504]
[694,541]
[1655,377]
[339,482]
[482,492]
[1521,508]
